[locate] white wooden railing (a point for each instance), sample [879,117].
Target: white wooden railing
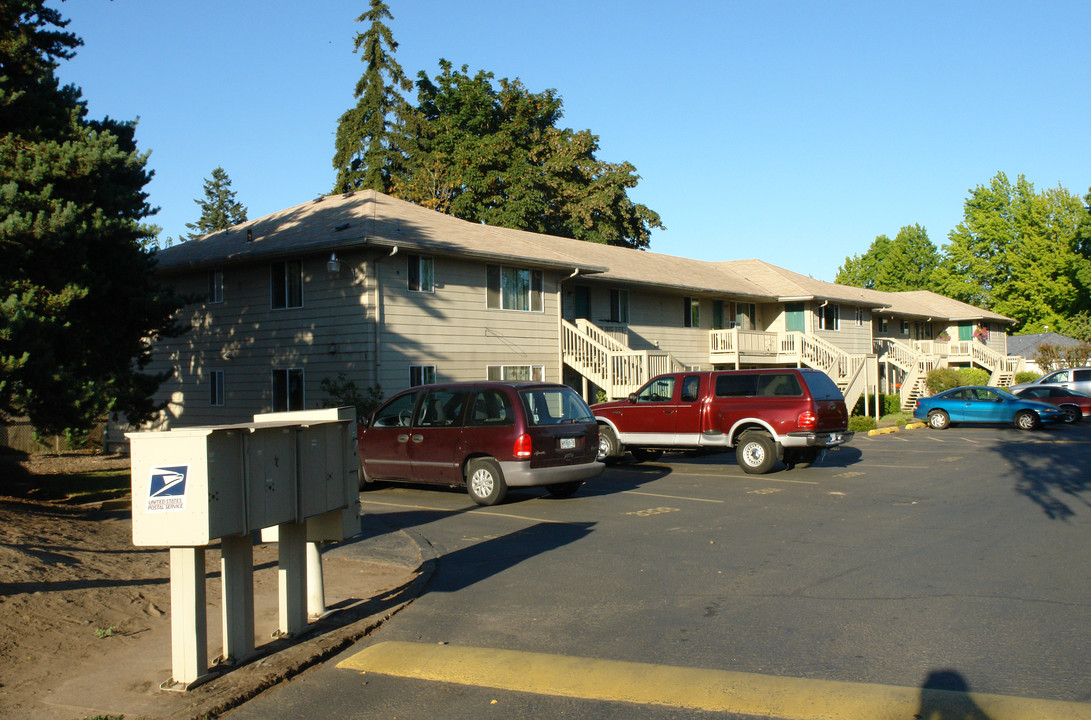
[617,369]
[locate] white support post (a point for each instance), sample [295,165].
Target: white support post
[188,627]
[316,591]
[292,574]
[237,577]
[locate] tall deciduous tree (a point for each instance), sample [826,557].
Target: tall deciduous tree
[367,148]
[219,208]
[1020,253]
[492,152]
[904,263]
[78,300]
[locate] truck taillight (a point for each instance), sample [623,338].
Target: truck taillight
[522,446]
[807,420]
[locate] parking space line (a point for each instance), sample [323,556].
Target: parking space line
[694,688]
[670,497]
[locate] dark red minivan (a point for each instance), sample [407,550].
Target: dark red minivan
[488,436]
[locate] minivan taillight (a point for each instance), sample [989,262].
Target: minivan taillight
[522,446]
[807,420]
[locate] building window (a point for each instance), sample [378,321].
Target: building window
[691,312]
[287,284]
[829,317]
[216,285]
[216,388]
[287,390]
[905,327]
[619,306]
[421,274]
[421,375]
[859,316]
[511,288]
[535,373]
[746,316]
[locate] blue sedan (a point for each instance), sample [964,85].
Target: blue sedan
[978,404]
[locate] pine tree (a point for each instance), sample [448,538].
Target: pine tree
[219,209]
[367,148]
[79,304]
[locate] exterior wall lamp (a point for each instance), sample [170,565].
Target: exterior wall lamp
[333,267]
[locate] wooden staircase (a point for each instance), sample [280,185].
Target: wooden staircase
[846,370]
[609,363]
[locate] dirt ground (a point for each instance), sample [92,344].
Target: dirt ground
[70,580]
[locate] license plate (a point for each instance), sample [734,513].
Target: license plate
[568,443]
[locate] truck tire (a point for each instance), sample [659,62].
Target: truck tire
[756,453]
[643,455]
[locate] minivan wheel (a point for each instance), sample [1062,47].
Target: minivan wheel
[607,444]
[1026,420]
[563,490]
[484,481]
[756,453]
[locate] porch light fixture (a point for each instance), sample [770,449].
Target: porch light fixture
[333,267]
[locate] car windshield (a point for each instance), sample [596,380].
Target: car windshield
[555,406]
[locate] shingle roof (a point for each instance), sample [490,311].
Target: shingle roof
[370,218]
[1027,345]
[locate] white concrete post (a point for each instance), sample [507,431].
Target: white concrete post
[188,627]
[292,574]
[237,578]
[316,591]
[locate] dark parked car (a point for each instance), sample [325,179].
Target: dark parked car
[488,436]
[1076,406]
[977,404]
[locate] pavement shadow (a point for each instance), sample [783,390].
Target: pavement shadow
[1052,471]
[945,696]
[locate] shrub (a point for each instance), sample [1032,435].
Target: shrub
[859,423]
[1026,376]
[973,376]
[341,392]
[942,379]
[889,404]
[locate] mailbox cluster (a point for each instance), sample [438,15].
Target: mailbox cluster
[294,472]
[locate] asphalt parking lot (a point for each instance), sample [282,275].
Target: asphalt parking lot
[902,563]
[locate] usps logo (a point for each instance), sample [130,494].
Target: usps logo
[167,489]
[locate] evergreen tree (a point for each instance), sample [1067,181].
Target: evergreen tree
[219,209]
[78,301]
[367,147]
[493,153]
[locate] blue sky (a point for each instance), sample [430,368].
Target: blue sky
[793,132]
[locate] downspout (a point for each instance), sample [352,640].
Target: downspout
[560,332]
[377,363]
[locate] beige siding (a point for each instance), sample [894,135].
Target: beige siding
[246,339]
[454,330]
[850,337]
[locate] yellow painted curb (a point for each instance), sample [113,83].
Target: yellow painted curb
[882,431]
[696,688]
[915,425]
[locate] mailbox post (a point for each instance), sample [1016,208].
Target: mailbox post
[295,472]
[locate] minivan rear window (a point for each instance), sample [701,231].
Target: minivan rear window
[555,406]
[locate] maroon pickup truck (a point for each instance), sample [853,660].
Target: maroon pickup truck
[766,415]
